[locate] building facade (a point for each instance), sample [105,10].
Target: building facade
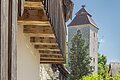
[115,69]
[32,39]
[83,21]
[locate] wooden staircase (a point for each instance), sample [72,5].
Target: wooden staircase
[37,26]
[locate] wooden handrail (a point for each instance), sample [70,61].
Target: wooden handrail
[54,11]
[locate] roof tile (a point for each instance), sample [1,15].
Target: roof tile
[83,17]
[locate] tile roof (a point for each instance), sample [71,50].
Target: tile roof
[83,17]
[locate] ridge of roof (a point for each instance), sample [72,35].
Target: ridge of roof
[114,62]
[83,11]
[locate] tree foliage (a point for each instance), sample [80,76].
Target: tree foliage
[103,71]
[103,68]
[79,58]
[92,77]
[66,64]
[99,77]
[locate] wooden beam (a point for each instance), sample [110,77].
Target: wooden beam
[12,49]
[51,62]
[37,29]
[40,35]
[33,5]
[40,43]
[46,46]
[43,40]
[50,54]
[51,59]
[56,50]
[40,23]
[4,39]
[33,15]
[20,6]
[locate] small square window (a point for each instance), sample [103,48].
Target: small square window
[93,67]
[94,34]
[93,59]
[93,49]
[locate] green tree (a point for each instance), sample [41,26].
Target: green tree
[66,64]
[103,71]
[79,58]
[92,77]
[103,68]
[99,77]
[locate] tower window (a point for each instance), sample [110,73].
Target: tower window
[94,34]
[93,59]
[93,67]
[94,49]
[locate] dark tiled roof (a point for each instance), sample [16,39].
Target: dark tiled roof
[83,10]
[82,17]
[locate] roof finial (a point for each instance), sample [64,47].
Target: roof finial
[83,6]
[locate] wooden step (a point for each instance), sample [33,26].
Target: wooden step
[40,23]
[39,35]
[33,15]
[33,5]
[40,43]
[56,50]
[43,39]
[37,29]
[52,59]
[51,62]
[46,46]
[50,54]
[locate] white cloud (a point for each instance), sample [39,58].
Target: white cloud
[101,41]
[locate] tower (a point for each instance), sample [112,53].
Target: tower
[83,21]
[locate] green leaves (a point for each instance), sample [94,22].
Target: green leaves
[92,77]
[103,71]
[103,68]
[99,77]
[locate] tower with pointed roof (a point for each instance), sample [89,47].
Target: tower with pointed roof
[83,21]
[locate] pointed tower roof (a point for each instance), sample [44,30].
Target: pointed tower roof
[83,17]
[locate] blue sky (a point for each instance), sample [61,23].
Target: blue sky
[106,14]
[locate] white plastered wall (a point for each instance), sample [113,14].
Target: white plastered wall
[28,58]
